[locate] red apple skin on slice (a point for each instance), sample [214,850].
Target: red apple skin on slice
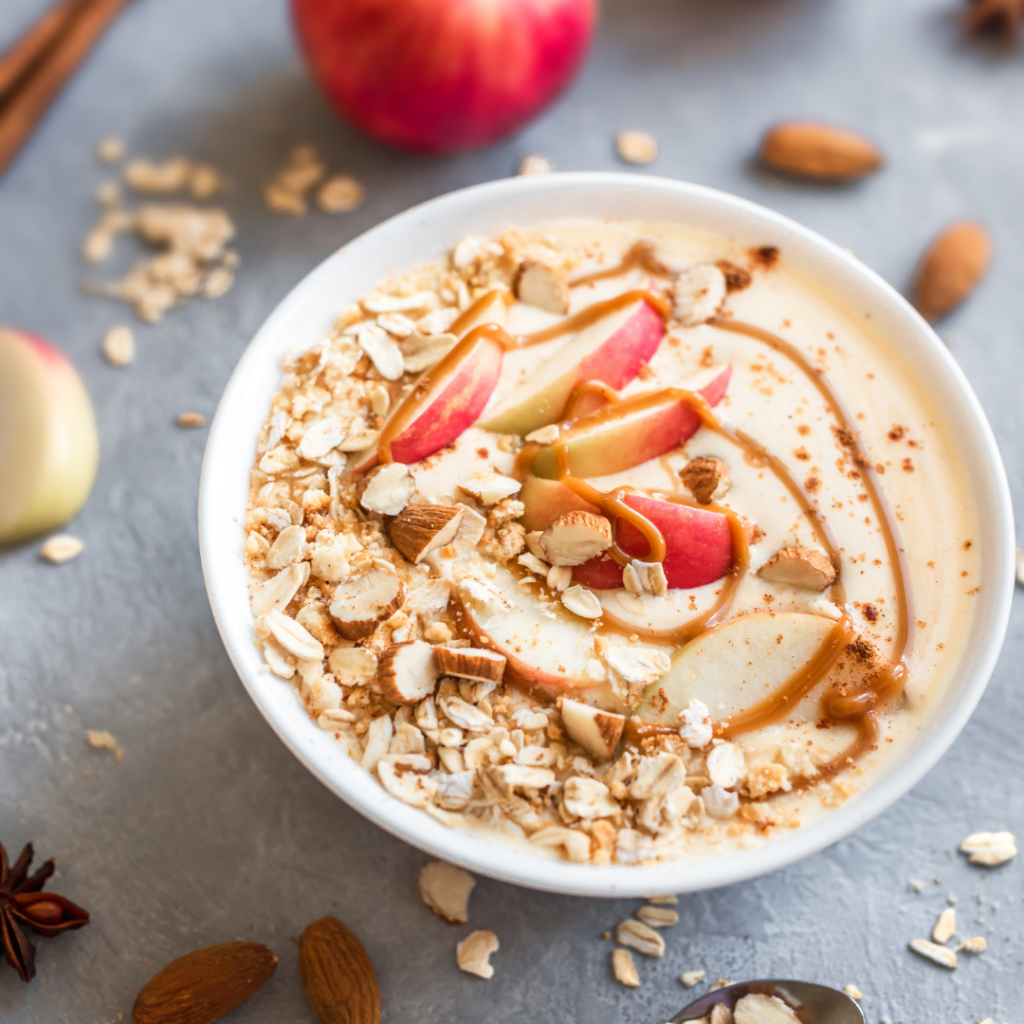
[600,448]
[699,544]
[611,350]
[49,446]
[546,500]
[460,397]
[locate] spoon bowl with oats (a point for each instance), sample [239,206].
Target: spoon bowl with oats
[773,1002]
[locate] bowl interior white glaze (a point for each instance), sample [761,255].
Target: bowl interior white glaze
[424,233]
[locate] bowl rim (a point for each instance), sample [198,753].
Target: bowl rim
[219,515]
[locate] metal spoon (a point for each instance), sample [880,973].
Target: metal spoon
[812,1004]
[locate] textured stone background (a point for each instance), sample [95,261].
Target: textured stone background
[209,830]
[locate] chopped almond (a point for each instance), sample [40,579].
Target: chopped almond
[540,285]
[488,487]
[386,489]
[420,529]
[597,732]
[474,663]
[407,672]
[363,600]
[799,567]
[445,890]
[706,477]
[576,536]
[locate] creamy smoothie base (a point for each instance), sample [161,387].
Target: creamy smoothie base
[611,666]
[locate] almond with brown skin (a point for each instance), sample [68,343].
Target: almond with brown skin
[706,478]
[811,150]
[363,600]
[420,529]
[576,536]
[337,974]
[799,567]
[407,672]
[203,986]
[473,663]
[951,268]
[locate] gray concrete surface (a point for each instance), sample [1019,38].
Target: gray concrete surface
[209,830]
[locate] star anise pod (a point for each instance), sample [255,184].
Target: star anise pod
[23,904]
[1002,17]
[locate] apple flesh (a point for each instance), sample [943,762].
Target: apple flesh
[638,430]
[546,500]
[735,666]
[440,75]
[611,350]
[49,447]
[456,398]
[698,543]
[553,655]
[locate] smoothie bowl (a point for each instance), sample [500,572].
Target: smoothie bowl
[607,535]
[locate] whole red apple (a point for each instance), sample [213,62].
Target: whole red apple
[439,75]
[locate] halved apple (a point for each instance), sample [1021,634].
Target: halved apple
[698,543]
[546,500]
[611,350]
[547,648]
[49,448]
[458,394]
[639,428]
[737,665]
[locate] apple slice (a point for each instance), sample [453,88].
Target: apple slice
[611,350]
[457,394]
[698,543]
[547,648]
[546,500]
[49,448]
[737,665]
[639,428]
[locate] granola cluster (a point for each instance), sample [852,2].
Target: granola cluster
[359,589]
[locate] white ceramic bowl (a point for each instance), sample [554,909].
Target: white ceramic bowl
[422,234]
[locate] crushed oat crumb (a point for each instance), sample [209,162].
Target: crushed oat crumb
[976,945]
[61,548]
[945,926]
[636,147]
[853,992]
[446,889]
[100,739]
[689,979]
[119,346]
[720,983]
[473,953]
[110,149]
[340,194]
[191,419]
[534,164]
[624,968]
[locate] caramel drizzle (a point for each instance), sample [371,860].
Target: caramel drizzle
[638,255]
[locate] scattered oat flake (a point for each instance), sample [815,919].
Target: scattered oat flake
[720,983]
[110,149]
[61,548]
[340,194]
[940,955]
[191,419]
[637,147]
[445,890]
[624,968]
[853,992]
[218,282]
[945,926]
[690,978]
[640,937]
[658,917]
[119,345]
[534,164]
[473,953]
[990,848]
[975,945]
[100,739]
[663,901]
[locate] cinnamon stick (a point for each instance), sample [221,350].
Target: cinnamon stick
[38,38]
[25,107]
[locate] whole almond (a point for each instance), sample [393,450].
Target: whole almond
[203,986]
[337,974]
[951,268]
[813,150]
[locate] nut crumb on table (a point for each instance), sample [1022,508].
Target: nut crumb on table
[60,548]
[191,419]
[473,953]
[100,739]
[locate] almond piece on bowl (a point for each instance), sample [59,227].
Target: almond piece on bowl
[706,478]
[799,567]
[575,537]
[540,285]
[363,600]
[488,487]
[420,529]
[476,663]
[386,489]
[407,672]
[597,732]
